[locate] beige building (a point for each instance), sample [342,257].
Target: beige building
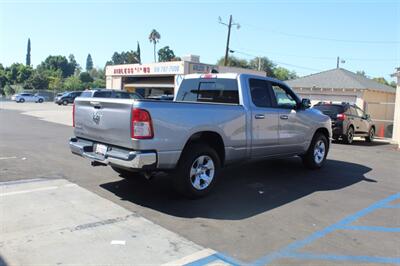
[341,85]
[163,77]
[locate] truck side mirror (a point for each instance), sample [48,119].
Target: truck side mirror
[305,103]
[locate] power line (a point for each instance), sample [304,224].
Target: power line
[326,57]
[278,62]
[323,39]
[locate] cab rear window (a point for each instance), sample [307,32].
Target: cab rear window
[209,90]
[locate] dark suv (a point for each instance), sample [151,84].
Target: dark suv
[67,97]
[348,121]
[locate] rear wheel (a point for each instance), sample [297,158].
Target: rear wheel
[371,135]
[317,152]
[197,171]
[65,102]
[126,173]
[22,100]
[348,138]
[40,100]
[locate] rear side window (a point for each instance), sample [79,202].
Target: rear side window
[121,95]
[102,94]
[260,92]
[209,90]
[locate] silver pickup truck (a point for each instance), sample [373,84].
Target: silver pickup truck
[214,120]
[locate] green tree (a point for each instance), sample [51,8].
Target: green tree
[73,66]
[282,73]
[361,72]
[55,81]
[3,77]
[8,90]
[129,57]
[99,83]
[165,54]
[73,83]
[89,63]
[264,64]
[59,62]
[154,38]
[381,80]
[138,53]
[28,53]
[37,81]
[234,62]
[24,73]
[85,77]
[393,84]
[17,73]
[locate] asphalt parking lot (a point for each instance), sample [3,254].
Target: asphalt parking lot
[265,213]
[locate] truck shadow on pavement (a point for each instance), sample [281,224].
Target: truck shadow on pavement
[242,191]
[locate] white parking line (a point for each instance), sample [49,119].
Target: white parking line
[7,158]
[33,190]
[191,258]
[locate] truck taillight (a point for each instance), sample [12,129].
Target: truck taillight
[341,117]
[141,127]
[73,115]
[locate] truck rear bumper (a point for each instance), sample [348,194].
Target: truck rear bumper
[114,155]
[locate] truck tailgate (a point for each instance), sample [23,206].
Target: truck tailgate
[104,120]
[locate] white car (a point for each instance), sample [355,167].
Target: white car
[28,97]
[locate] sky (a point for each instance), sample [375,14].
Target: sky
[304,36]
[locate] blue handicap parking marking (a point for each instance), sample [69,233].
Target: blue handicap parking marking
[291,251]
[214,258]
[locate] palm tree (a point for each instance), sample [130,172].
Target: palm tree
[154,37]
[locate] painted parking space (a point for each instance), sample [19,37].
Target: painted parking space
[303,252]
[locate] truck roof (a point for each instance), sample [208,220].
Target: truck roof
[212,75]
[229,76]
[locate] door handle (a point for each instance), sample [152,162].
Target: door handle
[259,116]
[284,117]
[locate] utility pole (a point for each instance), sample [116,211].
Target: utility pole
[338,61]
[229,25]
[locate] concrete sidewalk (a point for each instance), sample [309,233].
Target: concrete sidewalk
[56,222]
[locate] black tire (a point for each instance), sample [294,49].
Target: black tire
[65,102]
[371,135]
[348,138]
[312,161]
[22,100]
[40,100]
[126,173]
[182,179]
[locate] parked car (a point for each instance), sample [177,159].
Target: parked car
[105,93]
[28,97]
[348,121]
[215,120]
[67,97]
